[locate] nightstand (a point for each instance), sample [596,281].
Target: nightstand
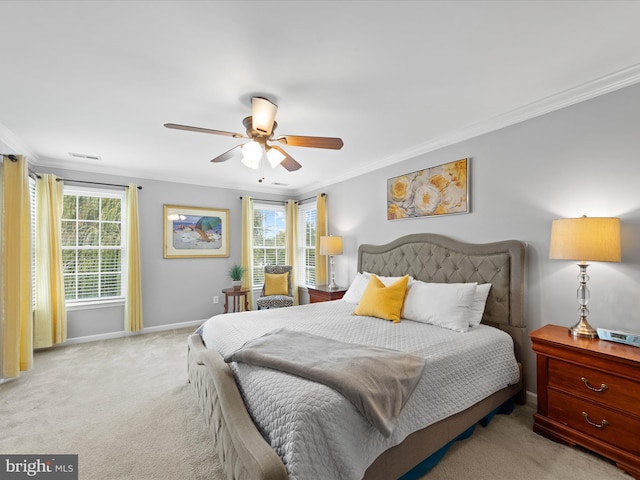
[321,293]
[236,294]
[589,394]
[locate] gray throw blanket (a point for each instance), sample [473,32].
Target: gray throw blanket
[377,381]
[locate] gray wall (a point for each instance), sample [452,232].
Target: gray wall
[173,290]
[579,160]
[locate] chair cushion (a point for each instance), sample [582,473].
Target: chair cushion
[276,284]
[275,301]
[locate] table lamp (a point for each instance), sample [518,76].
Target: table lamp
[331,246]
[585,239]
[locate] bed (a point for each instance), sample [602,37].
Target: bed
[241,437]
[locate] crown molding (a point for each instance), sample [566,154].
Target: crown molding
[14,144]
[586,91]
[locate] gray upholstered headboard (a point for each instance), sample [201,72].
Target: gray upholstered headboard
[434,258]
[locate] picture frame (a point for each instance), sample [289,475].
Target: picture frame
[195,232]
[434,191]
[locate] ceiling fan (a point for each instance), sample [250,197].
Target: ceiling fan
[260,127]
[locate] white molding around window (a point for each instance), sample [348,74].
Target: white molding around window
[102,259]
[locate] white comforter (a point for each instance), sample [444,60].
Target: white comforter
[317,432]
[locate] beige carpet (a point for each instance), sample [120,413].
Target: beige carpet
[125,408]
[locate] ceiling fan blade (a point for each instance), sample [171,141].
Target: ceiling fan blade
[288,162]
[263,113]
[315,142]
[229,154]
[203,130]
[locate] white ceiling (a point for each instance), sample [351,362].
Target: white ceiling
[392,79]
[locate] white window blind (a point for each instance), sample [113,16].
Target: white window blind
[306,273]
[32,199]
[93,245]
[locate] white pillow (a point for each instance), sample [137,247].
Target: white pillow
[357,288]
[387,280]
[447,305]
[479,301]
[360,282]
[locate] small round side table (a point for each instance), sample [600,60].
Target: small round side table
[236,295]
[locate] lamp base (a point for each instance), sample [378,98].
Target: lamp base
[582,329]
[332,285]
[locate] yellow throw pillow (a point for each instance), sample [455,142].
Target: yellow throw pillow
[276,284]
[383,302]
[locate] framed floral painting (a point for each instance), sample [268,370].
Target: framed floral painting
[195,232]
[439,190]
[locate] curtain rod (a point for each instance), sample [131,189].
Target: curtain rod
[266,201]
[282,201]
[14,159]
[310,198]
[94,183]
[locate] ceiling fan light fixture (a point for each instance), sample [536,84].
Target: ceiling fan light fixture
[252,150]
[260,126]
[252,164]
[275,157]
[251,154]
[263,115]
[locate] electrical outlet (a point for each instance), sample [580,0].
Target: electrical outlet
[216,299]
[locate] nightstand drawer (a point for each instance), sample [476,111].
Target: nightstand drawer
[604,388]
[607,425]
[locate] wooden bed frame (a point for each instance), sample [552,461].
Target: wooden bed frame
[246,455]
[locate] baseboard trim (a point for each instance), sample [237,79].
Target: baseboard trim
[532,400]
[110,335]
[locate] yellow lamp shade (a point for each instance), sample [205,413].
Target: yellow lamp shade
[586,239]
[330,245]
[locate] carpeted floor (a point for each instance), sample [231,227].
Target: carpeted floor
[125,408]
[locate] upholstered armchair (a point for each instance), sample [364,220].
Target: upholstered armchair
[277,289]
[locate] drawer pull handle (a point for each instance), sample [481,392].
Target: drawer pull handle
[602,388]
[597,425]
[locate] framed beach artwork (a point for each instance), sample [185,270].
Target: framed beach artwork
[439,190]
[195,232]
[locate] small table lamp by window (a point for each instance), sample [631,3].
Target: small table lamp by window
[585,239]
[331,246]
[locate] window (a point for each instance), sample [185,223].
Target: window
[307,244]
[92,245]
[268,239]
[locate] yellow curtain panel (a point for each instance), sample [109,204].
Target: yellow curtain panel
[16,316]
[291,246]
[50,316]
[321,231]
[246,255]
[133,303]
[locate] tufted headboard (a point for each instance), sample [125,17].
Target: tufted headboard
[434,258]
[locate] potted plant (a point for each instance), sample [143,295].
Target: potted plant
[236,272]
